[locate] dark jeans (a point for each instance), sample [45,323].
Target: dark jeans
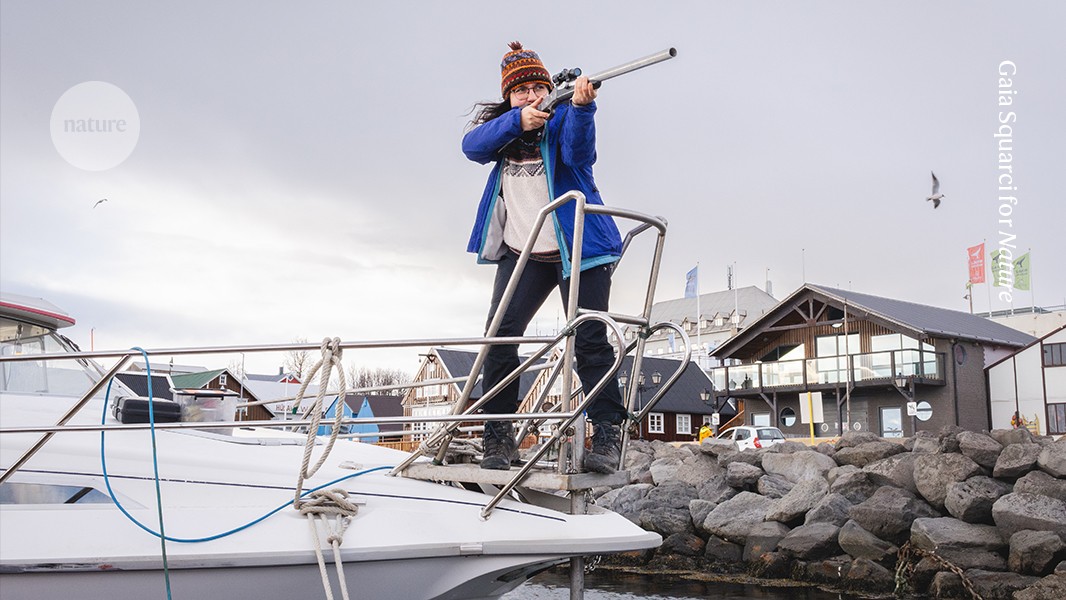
[593,352]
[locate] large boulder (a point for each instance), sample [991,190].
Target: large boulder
[624,500]
[888,514]
[666,521]
[664,469]
[743,476]
[773,486]
[697,468]
[1039,482]
[699,509]
[933,473]
[1006,437]
[1052,587]
[1052,459]
[811,542]
[685,544]
[722,551]
[1016,460]
[866,453]
[972,500]
[672,494]
[855,486]
[925,442]
[896,471]
[867,575]
[733,519]
[1035,552]
[715,490]
[1019,511]
[800,499]
[860,543]
[993,585]
[965,545]
[833,508]
[980,447]
[798,465]
[763,538]
[854,438]
[837,472]
[715,447]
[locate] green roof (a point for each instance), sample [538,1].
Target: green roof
[194,380]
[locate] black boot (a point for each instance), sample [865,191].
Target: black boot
[499,444]
[606,449]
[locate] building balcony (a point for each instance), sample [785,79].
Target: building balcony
[830,372]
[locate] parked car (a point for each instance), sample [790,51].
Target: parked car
[753,437]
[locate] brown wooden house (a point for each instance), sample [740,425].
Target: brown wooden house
[874,364]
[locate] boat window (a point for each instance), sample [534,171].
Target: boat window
[66,377]
[41,493]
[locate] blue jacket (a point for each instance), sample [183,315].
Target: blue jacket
[568,147]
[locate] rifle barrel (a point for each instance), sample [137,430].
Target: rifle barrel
[640,63]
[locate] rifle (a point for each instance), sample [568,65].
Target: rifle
[564,80]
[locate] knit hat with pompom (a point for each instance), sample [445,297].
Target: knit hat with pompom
[521,65]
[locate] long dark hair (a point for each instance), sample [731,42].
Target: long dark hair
[487,111]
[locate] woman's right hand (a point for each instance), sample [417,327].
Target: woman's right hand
[532,117]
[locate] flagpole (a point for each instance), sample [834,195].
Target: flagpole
[988,281]
[1032,293]
[699,343]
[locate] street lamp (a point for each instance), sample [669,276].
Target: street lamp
[905,386]
[711,400]
[623,379]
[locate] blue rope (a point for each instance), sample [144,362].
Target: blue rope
[161,534]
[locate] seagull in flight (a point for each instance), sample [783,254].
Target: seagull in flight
[99,202]
[937,196]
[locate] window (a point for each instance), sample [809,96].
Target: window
[222,379]
[1056,418]
[760,419]
[684,424]
[788,417]
[1054,355]
[707,419]
[655,423]
[891,422]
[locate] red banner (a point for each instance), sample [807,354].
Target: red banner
[977,263]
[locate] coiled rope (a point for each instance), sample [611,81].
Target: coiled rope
[318,506]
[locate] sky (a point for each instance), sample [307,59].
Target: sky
[297,171]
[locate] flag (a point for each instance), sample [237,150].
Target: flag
[1021,272]
[998,271]
[692,282]
[671,341]
[977,263]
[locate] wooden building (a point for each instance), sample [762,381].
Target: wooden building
[1029,387]
[876,364]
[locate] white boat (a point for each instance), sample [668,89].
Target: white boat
[225,501]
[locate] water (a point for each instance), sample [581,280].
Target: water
[609,584]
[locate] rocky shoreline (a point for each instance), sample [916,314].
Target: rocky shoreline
[957,515]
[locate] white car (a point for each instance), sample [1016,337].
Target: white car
[753,437]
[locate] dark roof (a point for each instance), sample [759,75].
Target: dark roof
[916,320]
[138,382]
[381,405]
[684,395]
[459,362]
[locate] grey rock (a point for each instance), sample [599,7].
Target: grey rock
[1035,552]
[638,464]
[825,448]
[763,538]
[666,521]
[773,486]
[1052,587]
[933,473]
[836,472]
[664,469]
[963,544]
[624,501]
[831,570]
[1007,437]
[860,543]
[833,509]
[1039,482]
[991,585]
[672,494]
[697,468]
[1016,460]
[749,456]
[949,438]
[972,500]
[896,471]
[716,490]
[685,544]
[926,445]
[866,453]
[699,509]
[770,565]
[733,519]
[798,500]
[980,447]
[855,486]
[715,447]
[665,450]
[1020,511]
[798,465]
[854,438]
[889,513]
[1052,459]
[720,550]
[743,476]
[866,575]
[810,542]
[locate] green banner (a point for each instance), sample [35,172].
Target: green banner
[1021,272]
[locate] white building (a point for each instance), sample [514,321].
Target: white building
[1032,383]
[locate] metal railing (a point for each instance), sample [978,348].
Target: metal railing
[869,367]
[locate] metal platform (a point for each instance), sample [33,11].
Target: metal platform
[539,479]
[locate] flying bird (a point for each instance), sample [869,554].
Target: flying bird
[99,202]
[937,196]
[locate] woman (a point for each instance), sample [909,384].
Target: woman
[536,159]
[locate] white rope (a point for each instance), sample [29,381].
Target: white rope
[318,506]
[331,357]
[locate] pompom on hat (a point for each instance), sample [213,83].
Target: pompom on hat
[522,65]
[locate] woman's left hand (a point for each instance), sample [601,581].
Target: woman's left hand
[584,93]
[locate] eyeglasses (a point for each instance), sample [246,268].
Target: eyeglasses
[521,92]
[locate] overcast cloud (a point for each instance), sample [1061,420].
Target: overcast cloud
[298,171]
